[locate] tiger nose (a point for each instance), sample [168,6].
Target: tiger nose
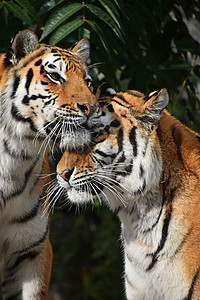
[87,108]
[66,174]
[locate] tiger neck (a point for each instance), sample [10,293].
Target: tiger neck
[142,216]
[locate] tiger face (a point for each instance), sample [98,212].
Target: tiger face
[124,161]
[46,92]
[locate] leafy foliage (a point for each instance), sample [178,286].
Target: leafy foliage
[142,45]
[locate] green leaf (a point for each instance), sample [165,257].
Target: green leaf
[59,16]
[111,9]
[120,5]
[96,28]
[47,6]
[19,12]
[175,64]
[106,18]
[197,70]
[188,45]
[1,5]
[5,14]
[83,32]
[65,30]
[26,5]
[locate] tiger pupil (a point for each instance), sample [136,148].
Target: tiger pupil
[55,76]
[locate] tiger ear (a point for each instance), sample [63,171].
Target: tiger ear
[153,107]
[105,90]
[22,44]
[82,48]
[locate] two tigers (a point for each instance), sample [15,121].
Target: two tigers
[45,102]
[143,162]
[146,166]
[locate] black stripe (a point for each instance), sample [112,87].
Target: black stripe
[132,138]
[157,220]
[3,198]
[22,154]
[163,238]
[103,154]
[26,178]
[18,117]
[129,168]
[54,50]
[134,93]
[30,255]
[120,103]
[117,210]
[165,229]
[35,244]
[57,59]
[7,282]
[51,66]
[38,62]
[110,107]
[29,77]
[121,159]
[14,296]
[115,123]
[98,142]
[141,171]
[29,215]
[44,82]
[27,99]
[191,290]
[121,97]
[41,69]
[15,85]
[120,140]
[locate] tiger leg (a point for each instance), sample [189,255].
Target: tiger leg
[26,275]
[35,285]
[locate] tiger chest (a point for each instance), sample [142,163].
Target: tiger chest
[152,271]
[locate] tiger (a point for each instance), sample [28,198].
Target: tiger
[145,164]
[46,102]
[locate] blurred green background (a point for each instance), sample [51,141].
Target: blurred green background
[135,44]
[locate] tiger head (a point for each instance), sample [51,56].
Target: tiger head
[46,92]
[124,160]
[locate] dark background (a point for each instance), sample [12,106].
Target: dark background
[135,44]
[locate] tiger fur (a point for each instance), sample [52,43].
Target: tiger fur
[146,165]
[45,99]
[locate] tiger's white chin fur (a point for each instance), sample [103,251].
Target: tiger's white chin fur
[75,196]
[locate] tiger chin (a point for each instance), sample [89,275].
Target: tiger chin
[145,165]
[46,100]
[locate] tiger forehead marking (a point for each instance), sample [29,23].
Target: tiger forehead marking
[147,169]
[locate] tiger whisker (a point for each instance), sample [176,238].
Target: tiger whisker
[113,191]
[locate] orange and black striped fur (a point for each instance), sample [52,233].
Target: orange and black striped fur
[146,165]
[45,99]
